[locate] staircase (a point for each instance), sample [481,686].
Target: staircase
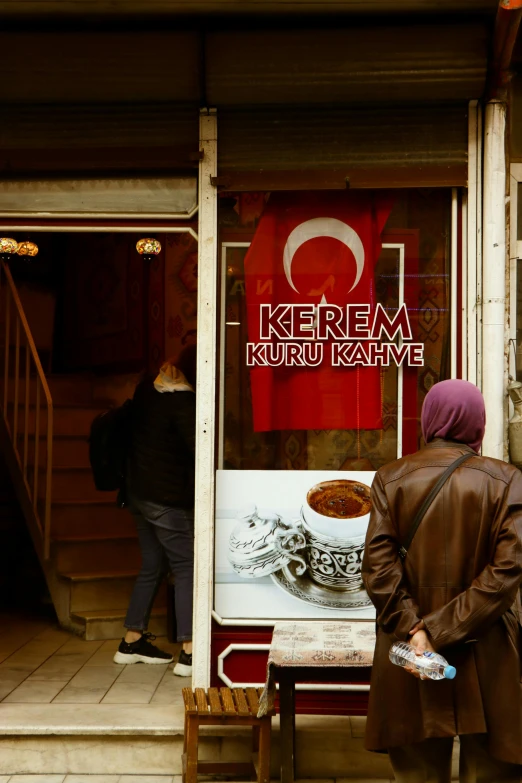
[94,553]
[87,546]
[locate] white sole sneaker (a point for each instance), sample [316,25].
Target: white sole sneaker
[182,670]
[126,658]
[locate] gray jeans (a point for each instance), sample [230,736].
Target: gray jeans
[166,537]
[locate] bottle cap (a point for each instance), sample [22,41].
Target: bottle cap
[450,672]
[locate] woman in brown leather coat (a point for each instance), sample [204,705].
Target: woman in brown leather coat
[456,592]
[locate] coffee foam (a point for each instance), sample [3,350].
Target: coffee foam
[340,499]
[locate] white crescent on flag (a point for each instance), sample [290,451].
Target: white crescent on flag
[323,227]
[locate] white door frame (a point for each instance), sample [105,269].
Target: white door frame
[206,419]
[494,317]
[515,252]
[472,253]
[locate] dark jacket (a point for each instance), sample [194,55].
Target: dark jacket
[462,576]
[163,434]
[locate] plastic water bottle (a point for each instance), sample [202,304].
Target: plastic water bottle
[429,664]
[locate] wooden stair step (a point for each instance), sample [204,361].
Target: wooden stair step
[71,484]
[108,624]
[116,388]
[98,576]
[72,538]
[68,451]
[90,517]
[68,420]
[95,553]
[111,614]
[92,591]
[65,389]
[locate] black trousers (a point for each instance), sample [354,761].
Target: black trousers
[430,762]
[166,537]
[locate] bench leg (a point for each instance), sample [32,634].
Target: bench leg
[191,750]
[287,723]
[255,749]
[185,735]
[265,729]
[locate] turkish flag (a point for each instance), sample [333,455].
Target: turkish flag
[314,247]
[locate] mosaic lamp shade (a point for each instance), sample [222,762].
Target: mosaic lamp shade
[27,249]
[8,246]
[148,248]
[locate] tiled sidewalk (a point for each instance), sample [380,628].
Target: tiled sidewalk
[144,779]
[63,699]
[92,779]
[42,664]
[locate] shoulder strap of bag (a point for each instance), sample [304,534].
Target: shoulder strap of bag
[403,551]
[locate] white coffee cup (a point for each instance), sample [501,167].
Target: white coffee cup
[336,543]
[345,527]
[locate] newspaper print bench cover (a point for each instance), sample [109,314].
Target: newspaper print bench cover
[310,644]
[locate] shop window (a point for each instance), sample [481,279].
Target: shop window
[335,323]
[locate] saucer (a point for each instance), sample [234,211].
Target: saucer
[312,593]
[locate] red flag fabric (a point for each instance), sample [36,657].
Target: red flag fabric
[312,248]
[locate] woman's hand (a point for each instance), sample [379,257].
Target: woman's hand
[418,627]
[421,643]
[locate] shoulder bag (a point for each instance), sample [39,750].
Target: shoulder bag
[403,550]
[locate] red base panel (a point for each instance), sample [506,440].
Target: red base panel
[249,666]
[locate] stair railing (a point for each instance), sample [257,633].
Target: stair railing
[20,428]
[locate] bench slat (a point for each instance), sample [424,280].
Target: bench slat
[188,698]
[228,701]
[253,700]
[215,703]
[242,704]
[201,700]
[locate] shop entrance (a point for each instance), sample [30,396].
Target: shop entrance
[98,315]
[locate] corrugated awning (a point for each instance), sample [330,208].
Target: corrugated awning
[421,62]
[98,137]
[99,66]
[401,146]
[407,63]
[126,9]
[351,100]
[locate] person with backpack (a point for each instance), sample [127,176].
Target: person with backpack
[443,567]
[160,495]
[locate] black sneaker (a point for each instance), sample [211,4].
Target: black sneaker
[183,668]
[141,651]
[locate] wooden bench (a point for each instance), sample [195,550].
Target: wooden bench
[225,707]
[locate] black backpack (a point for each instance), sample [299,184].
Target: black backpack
[109,444]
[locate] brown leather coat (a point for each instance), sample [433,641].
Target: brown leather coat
[462,576]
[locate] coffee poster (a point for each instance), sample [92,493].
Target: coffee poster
[289,544]
[320,353]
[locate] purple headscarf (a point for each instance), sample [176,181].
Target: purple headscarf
[454,410]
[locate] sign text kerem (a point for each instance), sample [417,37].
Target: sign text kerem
[296,336]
